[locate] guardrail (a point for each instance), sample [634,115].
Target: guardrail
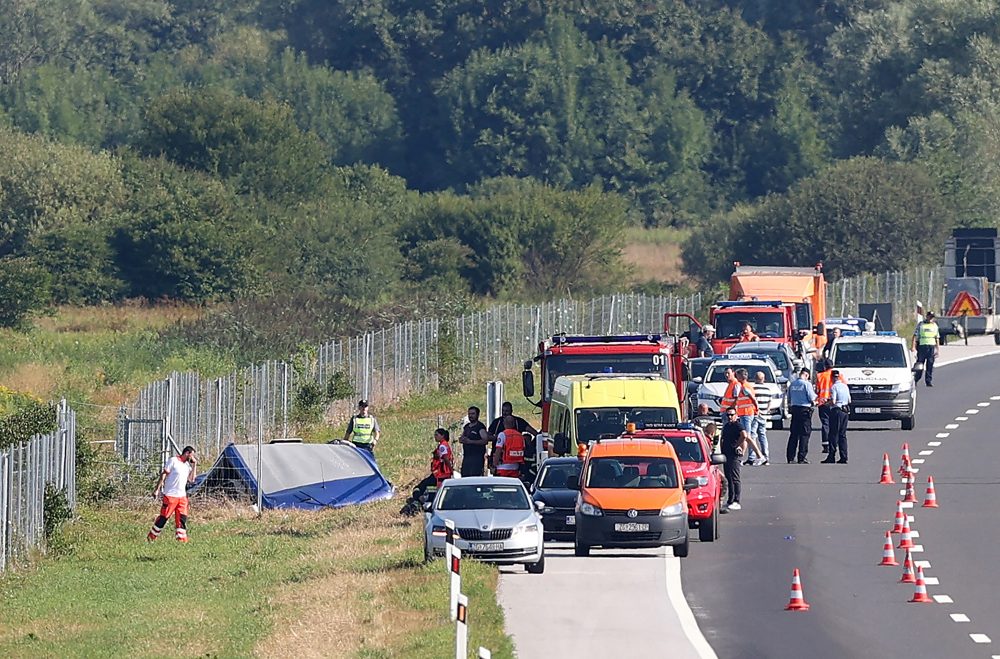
[25,469]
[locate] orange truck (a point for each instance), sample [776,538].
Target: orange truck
[781,304]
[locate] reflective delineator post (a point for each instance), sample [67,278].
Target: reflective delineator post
[462,628]
[449,542]
[455,567]
[484,653]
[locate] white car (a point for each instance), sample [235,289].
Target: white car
[878,368]
[712,387]
[495,521]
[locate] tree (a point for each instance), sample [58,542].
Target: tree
[24,290]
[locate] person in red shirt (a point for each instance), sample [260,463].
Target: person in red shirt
[508,456]
[442,468]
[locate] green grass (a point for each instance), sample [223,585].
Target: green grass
[657,235]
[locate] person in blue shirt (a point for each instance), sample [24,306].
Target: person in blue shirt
[840,398]
[801,399]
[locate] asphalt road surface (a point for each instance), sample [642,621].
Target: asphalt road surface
[827,520]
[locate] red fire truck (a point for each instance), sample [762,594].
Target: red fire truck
[580,355]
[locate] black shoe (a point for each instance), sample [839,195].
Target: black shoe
[842,462]
[929,384]
[826,449]
[803,461]
[748,462]
[829,461]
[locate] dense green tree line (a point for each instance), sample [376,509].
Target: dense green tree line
[370,152]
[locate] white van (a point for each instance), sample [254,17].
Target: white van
[878,368]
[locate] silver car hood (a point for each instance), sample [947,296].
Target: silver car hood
[486,519]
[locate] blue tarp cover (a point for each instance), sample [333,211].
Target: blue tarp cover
[296,475]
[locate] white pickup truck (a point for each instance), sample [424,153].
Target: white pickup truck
[878,368]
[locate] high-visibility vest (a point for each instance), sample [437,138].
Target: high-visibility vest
[824,382]
[746,402]
[441,464]
[927,334]
[581,450]
[729,398]
[513,447]
[363,428]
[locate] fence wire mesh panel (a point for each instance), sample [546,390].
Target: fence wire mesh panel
[414,356]
[25,469]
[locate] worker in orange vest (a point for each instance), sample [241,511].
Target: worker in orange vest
[442,468]
[824,385]
[508,455]
[739,395]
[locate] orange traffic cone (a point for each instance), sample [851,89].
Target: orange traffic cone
[886,471]
[920,589]
[905,466]
[905,539]
[908,576]
[931,500]
[888,557]
[900,518]
[911,496]
[796,602]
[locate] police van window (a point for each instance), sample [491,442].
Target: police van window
[857,355]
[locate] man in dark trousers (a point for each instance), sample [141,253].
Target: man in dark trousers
[801,398]
[734,439]
[840,409]
[474,439]
[925,341]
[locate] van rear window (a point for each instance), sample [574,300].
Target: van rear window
[632,472]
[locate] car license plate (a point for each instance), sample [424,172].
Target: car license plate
[570,520]
[867,410]
[631,527]
[487,546]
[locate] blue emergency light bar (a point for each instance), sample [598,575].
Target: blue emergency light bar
[853,333]
[749,303]
[743,356]
[562,339]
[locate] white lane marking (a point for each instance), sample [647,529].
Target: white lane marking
[917,549]
[959,360]
[951,426]
[942,435]
[901,492]
[675,593]
[942,599]
[980,638]
[914,533]
[924,564]
[914,470]
[959,617]
[910,518]
[934,443]
[961,418]
[994,397]
[918,461]
[927,452]
[906,504]
[983,404]
[931,581]
[972,411]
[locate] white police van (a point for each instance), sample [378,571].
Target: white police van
[878,368]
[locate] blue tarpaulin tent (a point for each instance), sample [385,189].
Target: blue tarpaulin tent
[297,475]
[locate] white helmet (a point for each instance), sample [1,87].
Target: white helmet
[707,328]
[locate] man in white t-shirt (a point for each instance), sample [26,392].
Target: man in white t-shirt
[173,484]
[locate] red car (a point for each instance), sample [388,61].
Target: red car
[694,451]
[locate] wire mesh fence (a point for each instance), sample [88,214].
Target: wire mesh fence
[415,356]
[25,469]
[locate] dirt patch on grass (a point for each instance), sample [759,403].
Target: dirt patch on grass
[132,315]
[658,262]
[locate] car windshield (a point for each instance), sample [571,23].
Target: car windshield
[776,356]
[699,367]
[765,324]
[477,497]
[687,448]
[855,354]
[718,372]
[594,423]
[632,472]
[556,365]
[555,476]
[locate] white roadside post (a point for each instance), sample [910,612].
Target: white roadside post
[462,628]
[449,542]
[455,567]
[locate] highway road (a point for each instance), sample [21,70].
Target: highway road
[827,520]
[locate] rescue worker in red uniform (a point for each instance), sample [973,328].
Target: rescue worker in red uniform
[442,468]
[508,455]
[176,476]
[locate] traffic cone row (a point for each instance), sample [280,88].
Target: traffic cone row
[888,557]
[905,466]
[920,589]
[886,471]
[900,518]
[796,601]
[905,539]
[931,499]
[908,576]
[911,496]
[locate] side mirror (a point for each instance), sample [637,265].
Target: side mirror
[560,443]
[690,484]
[428,506]
[781,379]
[539,505]
[698,379]
[528,381]
[718,458]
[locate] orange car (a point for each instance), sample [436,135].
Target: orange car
[632,494]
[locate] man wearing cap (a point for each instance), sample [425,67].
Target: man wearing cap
[801,398]
[364,428]
[704,345]
[840,408]
[925,342]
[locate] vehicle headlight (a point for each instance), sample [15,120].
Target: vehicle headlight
[590,510]
[702,480]
[676,509]
[525,528]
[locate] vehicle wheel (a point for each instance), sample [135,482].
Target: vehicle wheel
[681,551]
[536,568]
[428,557]
[909,422]
[996,338]
[708,531]
[580,549]
[778,425]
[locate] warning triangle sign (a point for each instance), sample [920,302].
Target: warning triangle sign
[965,305]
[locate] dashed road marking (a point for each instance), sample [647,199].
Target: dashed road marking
[980,638]
[910,518]
[994,397]
[983,404]
[959,617]
[951,426]
[931,581]
[934,443]
[943,435]
[906,504]
[924,564]
[961,418]
[902,493]
[917,549]
[914,533]
[942,599]
[926,452]
[918,461]
[972,411]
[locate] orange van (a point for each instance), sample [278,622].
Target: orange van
[632,494]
